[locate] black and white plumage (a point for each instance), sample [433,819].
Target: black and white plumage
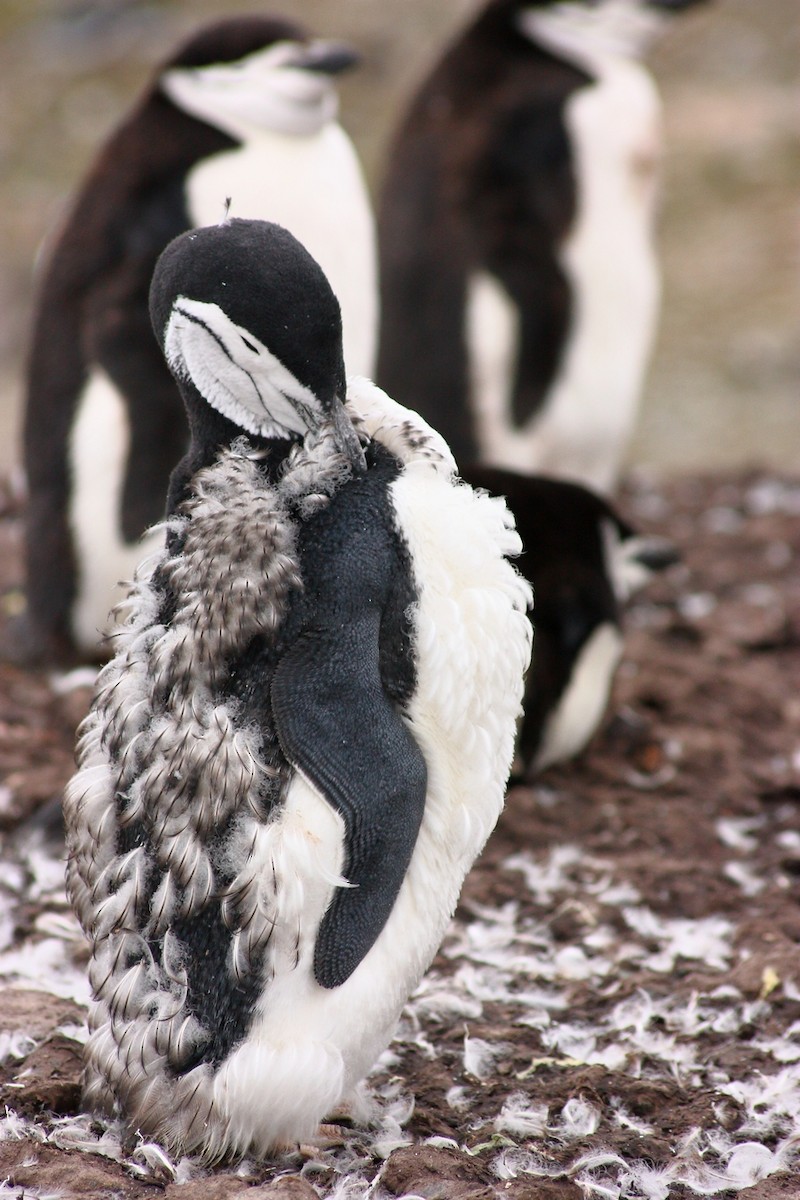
[244,111]
[584,562]
[519,278]
[303,739]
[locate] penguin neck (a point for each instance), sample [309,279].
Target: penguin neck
[211,434]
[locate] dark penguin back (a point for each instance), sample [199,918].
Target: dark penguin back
[480,178]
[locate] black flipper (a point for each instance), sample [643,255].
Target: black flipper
[337,725]
[335,712]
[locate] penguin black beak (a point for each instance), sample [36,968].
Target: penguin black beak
[674,5]
[326,57]
[656,553]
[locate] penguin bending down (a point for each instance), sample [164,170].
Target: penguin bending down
[303,740]
[583,562]
[244,111]
[519,280]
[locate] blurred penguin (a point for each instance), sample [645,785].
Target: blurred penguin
[519,279]
[245,112]
[584,562]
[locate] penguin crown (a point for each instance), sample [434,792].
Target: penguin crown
[248,321]
[285,84]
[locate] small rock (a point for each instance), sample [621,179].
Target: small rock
[216,1187]
[36,1013]
[285,1187]
[436,1173]
[49,1078]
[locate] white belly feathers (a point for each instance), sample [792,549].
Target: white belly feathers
[609,259]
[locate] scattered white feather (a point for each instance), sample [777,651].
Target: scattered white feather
[15,1045]
[512,1163]
[504,957]
[64,682]
[745,877]
[546,879]
[625,1120]
[772,496]
[6,929]
[579,1119]
[696,606]
[785,1049]
[459,1098]
[14,1192]
[481,1056]
[45,966]
[521,1118]
[707,939]
[771,1102]
[737,832]
[751,1161]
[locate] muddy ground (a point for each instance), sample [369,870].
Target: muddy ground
[616,1008]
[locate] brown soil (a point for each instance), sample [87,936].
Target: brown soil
[615,1012]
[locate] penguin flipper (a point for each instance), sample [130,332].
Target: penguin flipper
[338,726]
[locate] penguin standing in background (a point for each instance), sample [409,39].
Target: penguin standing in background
[583,562]
[303,740]
[244,112]
[519,280]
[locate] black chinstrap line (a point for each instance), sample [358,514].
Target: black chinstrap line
[302,410]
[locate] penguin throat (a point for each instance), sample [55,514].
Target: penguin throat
[587,35]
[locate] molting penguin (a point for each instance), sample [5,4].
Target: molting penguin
[246,109]
[303,739]
[519,282]
[584,562]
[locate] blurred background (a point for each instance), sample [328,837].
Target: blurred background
[724,385]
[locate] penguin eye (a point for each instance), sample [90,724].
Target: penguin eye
[249,344]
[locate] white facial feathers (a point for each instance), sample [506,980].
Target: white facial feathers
[586,33]
[236,374]
[265,90]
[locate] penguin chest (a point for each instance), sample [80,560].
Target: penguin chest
[314,187]
[472,648]
[609,260]
[471,644]
[609,256]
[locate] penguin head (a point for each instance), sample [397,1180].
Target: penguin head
[257,73]
[632,559]
[578,636]
[251,330]
[620,27]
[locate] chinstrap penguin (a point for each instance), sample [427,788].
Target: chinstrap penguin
[519,278]
[303,739]
[584,562]
[244,111]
